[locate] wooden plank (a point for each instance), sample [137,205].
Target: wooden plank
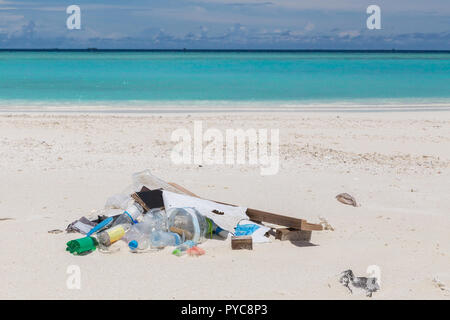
[311,226]
[260,216]
[268,217]
[184,190]
[291,234]
[242,242]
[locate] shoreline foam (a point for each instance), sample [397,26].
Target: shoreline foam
[367,105]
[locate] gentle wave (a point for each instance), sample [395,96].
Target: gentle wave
[365,105]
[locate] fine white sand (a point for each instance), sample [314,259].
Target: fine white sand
[56,168]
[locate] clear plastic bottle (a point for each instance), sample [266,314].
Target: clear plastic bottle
[130,215]
[140,243]
[157,218]
[138,237]
[113,234]
[161,239]
[118,201]
[120,226]
[189,223]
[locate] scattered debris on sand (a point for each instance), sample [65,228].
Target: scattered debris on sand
[439,284]
[324,223]
[348,279]
[152,214]
[55,231]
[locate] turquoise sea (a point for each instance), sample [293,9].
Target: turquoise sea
[148,78]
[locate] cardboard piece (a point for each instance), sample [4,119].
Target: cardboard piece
[149,199]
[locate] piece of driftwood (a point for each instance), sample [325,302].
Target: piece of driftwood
[259,216]
[345,198]
[242,242]
[291,234]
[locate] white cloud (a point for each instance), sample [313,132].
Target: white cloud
[7,7]
[348,5]
[6,18]
[309,26]
[349,34]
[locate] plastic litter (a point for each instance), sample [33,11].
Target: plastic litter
[161,239]
[130,215]
[118,201]
[190,224]
[82,245]
[104,224]
[256,231]
[153,214]
[195,251]
[245,229]
[182,248]
[113,234]
[82,225]
[138,236]
[147,179]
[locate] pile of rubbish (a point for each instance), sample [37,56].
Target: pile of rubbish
[152,214]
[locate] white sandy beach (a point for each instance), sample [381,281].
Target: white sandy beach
[55,168]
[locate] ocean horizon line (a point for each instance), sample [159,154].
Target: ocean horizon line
[222,50]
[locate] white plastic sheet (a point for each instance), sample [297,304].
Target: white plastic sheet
[227,221]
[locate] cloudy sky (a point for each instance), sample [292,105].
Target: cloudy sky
[226,24]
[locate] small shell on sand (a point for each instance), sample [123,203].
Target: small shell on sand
[345,198]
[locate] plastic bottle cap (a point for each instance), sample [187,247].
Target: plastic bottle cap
[133,245]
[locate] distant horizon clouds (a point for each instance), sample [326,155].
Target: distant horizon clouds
[225,24]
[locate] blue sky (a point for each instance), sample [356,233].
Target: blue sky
[226,24]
